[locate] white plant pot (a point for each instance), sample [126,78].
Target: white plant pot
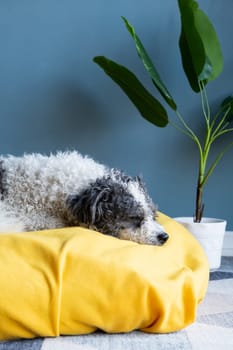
[210,233]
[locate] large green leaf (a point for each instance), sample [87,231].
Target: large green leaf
[187,61]
[199,46]
[149,107]
[149,66]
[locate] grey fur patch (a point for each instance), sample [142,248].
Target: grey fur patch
[106,206]
[2,173]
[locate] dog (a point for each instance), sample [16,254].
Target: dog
[67,189]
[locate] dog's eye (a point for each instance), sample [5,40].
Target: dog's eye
[137,220]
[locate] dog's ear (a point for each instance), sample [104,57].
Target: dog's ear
[85,207]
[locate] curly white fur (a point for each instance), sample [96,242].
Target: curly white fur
[37,188]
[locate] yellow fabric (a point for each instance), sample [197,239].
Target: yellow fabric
[74,281]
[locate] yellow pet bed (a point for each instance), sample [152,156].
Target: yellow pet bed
[75,281]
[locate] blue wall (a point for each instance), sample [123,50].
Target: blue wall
[52,96]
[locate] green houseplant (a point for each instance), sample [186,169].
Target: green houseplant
[202,62]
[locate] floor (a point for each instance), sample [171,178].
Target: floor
[225,271]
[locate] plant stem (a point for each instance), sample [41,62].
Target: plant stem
[199,205]
[188,132]
[220,125]
[203,154]
[212,132]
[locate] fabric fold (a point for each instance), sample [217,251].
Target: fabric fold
[75,281]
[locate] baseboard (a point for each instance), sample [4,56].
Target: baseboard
[228,244]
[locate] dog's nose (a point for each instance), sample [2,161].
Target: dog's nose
[162,237]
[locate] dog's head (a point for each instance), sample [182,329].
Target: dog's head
[118,205]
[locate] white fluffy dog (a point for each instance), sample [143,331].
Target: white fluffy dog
[66,189]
